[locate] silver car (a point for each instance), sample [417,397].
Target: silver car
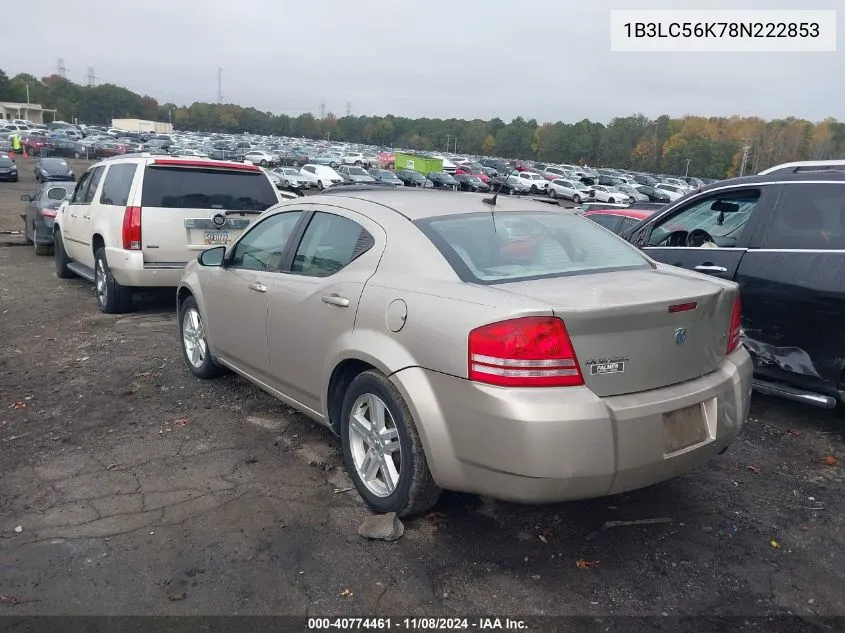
[516,351]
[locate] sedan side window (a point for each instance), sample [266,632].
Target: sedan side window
[606,220]
[808,216]
[329,244]
[263,246]
[717,221]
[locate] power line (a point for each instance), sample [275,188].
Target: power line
[219,85]
[62,68]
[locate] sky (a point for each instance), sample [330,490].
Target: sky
[544,59]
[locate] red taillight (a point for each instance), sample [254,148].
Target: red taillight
[48,212]
[526,352]
[736,326]
[132,229]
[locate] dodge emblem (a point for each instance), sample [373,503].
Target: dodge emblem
[680,336]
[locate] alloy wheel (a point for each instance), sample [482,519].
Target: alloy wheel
[374,444]
[193,337]
[100,282]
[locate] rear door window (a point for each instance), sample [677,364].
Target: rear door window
[808,216]
[117,184]
[81,189]
[234,190]
[96,176]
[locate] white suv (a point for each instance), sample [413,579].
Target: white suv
[134,222]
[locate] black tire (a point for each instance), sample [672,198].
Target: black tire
[320,185]
[43,249]
[61,258]
[416,491]
[77,155]
[263,163]
[333,165]
[576,199]
[208,368]
[552,193]
[112,298]
[26,238]
[357,163]
[533,189]
[611,201]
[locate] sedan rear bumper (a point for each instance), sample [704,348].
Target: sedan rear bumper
[558,444]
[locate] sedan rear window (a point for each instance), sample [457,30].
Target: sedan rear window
[516,246]
[193,188]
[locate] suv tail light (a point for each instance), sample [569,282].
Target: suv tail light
[132,229]
[736,325]
[525,352]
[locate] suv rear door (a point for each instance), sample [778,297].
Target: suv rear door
[189,205]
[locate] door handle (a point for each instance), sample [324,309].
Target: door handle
[710,268]
[258,286]
[87,217]
[73,215]
[336,300]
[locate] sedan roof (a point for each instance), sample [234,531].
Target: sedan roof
[417,204]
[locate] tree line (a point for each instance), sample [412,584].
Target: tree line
[705,146]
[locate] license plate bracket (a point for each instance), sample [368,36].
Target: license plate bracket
[217,238]
[683,428]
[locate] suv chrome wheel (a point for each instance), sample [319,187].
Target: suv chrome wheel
[100,283]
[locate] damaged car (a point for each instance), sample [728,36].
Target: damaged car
[781,237]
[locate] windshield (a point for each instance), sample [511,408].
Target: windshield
[53,163]
[514,246]
[612,190]
[357,171]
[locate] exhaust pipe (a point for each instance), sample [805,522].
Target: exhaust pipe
[794,394]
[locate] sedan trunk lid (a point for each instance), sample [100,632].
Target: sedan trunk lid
[641,329]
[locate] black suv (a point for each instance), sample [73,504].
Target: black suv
[782,238]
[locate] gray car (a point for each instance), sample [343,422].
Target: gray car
[526,354]
[41,213]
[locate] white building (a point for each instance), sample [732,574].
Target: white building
[32,112]
[137,125]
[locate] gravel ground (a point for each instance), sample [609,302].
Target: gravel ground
[125,476]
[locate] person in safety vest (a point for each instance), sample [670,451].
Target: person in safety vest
[16,144]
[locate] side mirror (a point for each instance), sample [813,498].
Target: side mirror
[26,198]
[212,257]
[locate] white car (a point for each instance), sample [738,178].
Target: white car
[135,221]
[672,191]
[258,157]
[353,158]
[604,193]
[321,176]
[677,182]
[527,182]
[635,195]
[574,190]
[448,166]
[291,178]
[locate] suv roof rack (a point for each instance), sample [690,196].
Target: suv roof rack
[805,166]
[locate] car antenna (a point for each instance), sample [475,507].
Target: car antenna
[492,201]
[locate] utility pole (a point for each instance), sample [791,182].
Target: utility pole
[62,68]
[27,93]
[746,147]
[219,86]
[348,109]
[91,79]
[686,173]
[322,111]
[448,136]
